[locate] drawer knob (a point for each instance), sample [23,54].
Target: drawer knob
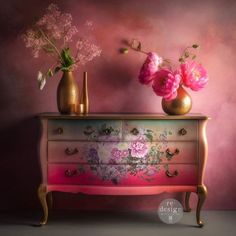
[70,173]
[169,174]
[59,130]
[182,131]
[169,154]
[70,152]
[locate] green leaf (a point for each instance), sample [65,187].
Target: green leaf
[67,60]
[149,131]
[124,50]
[65,68]
[166,167]
[149,136]
[50,73]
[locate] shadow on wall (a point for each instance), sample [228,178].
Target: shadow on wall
[20,171]
[117,83]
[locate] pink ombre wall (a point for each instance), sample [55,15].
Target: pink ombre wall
[165,27]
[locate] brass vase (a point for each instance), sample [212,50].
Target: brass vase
[181,105]
[84,101]
[67,94]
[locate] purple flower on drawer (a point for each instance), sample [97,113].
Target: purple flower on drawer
[93,157]
[108,173]
[138,158]
[139,148]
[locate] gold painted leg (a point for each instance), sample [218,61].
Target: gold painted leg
[50,200]
[42,194]
[187,206]
[202,193]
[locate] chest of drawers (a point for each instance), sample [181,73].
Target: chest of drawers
[123,154]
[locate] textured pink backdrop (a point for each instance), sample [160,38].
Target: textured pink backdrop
[165,27]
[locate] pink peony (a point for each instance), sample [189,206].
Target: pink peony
[139,148]
[149,68]
[194,75]
[166,83]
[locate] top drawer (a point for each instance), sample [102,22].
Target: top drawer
[101,130]
[160,130]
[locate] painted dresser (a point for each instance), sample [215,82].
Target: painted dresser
[123,154]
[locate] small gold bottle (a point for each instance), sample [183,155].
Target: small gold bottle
[84,95]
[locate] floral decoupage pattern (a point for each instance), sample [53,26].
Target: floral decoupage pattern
[113,161]
[103,131]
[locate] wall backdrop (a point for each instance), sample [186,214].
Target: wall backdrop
[165,27]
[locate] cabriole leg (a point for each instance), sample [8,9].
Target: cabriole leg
[187,205]
[50,200]
[42,194]
[202,193]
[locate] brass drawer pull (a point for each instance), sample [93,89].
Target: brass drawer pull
[70,152]
[70,173]
[182,131]
[59,130]
[169,154]
[171,175]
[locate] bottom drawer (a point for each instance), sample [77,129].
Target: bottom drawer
[122,175]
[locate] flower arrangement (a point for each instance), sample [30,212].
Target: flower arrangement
[52,34]
[165,81]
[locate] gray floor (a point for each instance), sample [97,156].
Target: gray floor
[96,223]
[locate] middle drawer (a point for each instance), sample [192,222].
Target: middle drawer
[122,152]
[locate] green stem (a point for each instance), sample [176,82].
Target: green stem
[167,62]
[51,43]
[183,53]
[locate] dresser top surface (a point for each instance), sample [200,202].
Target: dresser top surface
[131,116]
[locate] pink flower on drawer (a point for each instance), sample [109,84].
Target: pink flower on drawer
[139,148]
[117,154]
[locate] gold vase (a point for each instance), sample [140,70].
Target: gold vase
[67,94]
[84,96]
[181,105]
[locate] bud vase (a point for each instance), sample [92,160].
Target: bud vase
[84,96]
[67,93]
[181,105]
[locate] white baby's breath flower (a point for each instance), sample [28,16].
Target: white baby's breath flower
[51,34]
[88,23]
[41,80]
